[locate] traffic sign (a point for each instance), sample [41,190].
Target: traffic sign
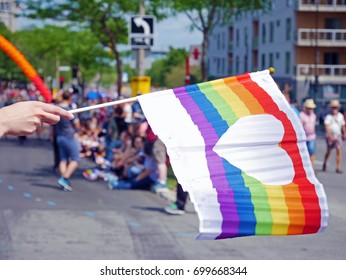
[142,26]
[195,56]
[142,42]
[140,84]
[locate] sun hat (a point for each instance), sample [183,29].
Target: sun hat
[334,104]
[309,103]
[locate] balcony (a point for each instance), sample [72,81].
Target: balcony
[326,37]
[323,6]
[325,72]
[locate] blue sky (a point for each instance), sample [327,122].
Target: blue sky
[175,32]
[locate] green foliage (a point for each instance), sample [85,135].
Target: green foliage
[204,15]
[8,69]
[43,47]
[176,76]
[106,19]
[162,67]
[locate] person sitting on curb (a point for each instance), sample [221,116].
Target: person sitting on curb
[145,179]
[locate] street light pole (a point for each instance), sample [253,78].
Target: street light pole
[141,51]
[316,51]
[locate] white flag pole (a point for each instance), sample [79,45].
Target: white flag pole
[102,105]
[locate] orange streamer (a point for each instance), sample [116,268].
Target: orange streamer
[26,67]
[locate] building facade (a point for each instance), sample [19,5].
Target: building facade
[304,40]
[8,14]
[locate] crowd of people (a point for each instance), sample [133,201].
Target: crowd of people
[118,140]
[125,151]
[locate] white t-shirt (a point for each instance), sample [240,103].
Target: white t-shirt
[335,123]
[128,110]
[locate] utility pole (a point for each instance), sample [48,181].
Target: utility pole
[316,52]
[187,71]
[57,72]
[141,51]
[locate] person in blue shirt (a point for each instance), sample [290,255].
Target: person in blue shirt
[65,131]
[145,179]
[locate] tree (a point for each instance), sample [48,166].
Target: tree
[8,68]
[160,69]
[46,46]
[206,14]
[105,18]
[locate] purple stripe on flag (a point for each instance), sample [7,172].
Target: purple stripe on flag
[228,207]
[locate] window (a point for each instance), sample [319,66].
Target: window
[271,32]
[277,55]
[272,5]
[218,41]
[271,60]
[287,62]
[237,38]
[263,33]
[331,58]
[288,28]
[6,6]
[237,65]
[245,37]
[263,61]
[223,40]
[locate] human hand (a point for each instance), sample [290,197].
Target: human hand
[330,137]
[24,118]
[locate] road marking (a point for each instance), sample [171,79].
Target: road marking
[10,187]
[133,224]
[89,214]
[51,203]
[27,195]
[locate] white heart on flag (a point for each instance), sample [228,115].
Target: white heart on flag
[252,145]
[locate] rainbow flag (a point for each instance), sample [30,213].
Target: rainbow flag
[240,151]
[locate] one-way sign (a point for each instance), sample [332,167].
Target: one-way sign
[142,26]
[142,42]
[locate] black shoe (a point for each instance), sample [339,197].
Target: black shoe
[324,168]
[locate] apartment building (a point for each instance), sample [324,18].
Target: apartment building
[304,40]
[8,14]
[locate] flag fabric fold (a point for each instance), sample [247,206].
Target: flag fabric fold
[239,150]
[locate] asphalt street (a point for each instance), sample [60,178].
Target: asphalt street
[39,221]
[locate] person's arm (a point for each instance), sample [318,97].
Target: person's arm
[327,122]
[23,118]
[328,133]
[144,174]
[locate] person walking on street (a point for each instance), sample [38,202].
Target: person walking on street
[308,119]
[178,207]
[335,134]
[65,131]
